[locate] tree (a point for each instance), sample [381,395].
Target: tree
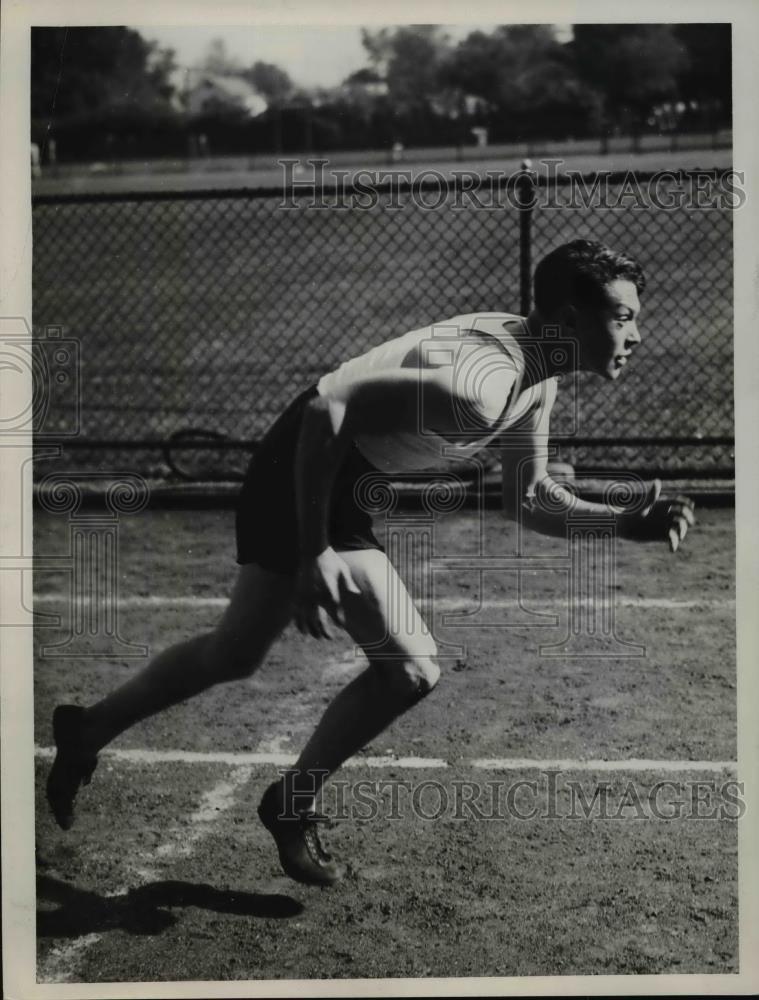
[524,75]
[707,76]
[76,71]
[379,48]
[270,81]
[631,66]
[218,60]
[363,77]
[409,59]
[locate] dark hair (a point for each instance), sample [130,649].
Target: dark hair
[577,272]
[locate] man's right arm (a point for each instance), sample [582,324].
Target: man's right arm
[533,499]
[405,401]
[322,575]
[374,405]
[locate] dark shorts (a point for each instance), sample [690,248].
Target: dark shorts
[266,522]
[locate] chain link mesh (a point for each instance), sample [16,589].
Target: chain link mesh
[680,383]
[209,313]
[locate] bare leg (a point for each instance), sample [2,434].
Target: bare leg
[385,622]
[258,611]
[382,618]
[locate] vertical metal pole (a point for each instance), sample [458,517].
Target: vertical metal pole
[526,201]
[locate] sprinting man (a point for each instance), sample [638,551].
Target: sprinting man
[305,544]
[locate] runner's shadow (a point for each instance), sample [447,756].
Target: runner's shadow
[146,909]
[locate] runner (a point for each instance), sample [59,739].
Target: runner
[421,401]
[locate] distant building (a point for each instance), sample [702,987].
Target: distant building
[365,82]
[476,105]
[206,92]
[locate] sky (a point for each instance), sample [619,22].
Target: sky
[321,55]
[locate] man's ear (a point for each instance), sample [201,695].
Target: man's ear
[568,316]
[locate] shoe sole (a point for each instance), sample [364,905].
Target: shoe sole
[296,873]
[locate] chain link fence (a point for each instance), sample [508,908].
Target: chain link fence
[199,315]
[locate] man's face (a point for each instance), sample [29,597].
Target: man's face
[608,333]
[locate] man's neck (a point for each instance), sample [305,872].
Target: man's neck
[547,352]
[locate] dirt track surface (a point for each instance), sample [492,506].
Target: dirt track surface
[167,875]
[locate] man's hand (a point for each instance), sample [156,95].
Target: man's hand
[660,518]
[318,593]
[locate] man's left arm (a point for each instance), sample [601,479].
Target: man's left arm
[537,502]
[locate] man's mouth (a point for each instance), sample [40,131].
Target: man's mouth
[621,360]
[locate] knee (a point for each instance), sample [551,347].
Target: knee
[411,678]
[424,675]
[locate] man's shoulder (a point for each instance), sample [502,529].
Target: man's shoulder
[500,325]
[499,322]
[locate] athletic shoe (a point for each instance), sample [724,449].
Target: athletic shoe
[72,767]
[302,856]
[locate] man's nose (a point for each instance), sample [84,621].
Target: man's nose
[633,335]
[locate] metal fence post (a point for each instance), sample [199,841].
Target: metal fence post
[526,203]
[182,402]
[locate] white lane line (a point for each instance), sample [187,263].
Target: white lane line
[273,745]
[149,866]
[631,764]
[214,802]
[243,759]
[58,964]
[251,759]
[445,604]
[555,603]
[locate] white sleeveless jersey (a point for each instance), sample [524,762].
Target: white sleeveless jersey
[434,347]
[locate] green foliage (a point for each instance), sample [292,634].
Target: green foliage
[630,66]
[218,60]
[519,70]
[270,81]
[708,74]
[518,81]
[410,59]
[80,71]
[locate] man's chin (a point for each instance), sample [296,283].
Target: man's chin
[609,374]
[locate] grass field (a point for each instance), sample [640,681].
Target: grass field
[167,874]
[213,313]
[265,171]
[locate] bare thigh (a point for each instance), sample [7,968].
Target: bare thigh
[383,619]
[259,608]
